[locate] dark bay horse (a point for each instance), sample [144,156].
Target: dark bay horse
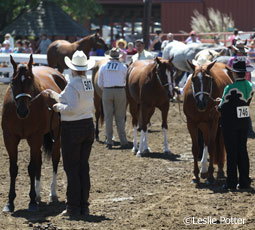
[206,84]
[149,85]
[61,48]
[25,115]
[99,113]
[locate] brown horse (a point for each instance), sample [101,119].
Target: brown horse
[149,85]
[26,116]
[99,113]
[206,84]
[61,48]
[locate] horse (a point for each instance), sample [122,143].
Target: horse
[60,48]
[206,84]
[150,84]
[99,113]
[25,115]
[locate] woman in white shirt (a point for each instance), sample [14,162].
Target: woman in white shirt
[75,105]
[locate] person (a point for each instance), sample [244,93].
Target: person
[122,44]
[141,54]
[6,47]
[251,52]
[156,43]
[75,104]
[240,51]
[170,38]
[217,40]
[234,109]
[234,37]
[10,39]
[19,47]
[112,80]
[192,38]
[27,47]
[131,50]
[44,44]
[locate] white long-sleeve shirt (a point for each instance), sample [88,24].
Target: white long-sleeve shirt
[111,74]
[76,100]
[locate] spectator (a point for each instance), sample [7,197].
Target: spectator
[156,43]
[27,47]
[141,54]
[233,37]
[251,52]
[10,39]
[19,47]
[192,38]
[217,40]
[170,38]
[112,80]
[117,37]
[44,44]
[75,105]
[6,47]
[131,50]
[121,44]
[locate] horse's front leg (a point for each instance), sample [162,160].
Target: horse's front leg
[164,112]
[11,143]
[34,170]
[192,127]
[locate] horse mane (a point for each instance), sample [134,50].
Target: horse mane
[87,38]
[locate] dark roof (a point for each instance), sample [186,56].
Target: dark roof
[48,18]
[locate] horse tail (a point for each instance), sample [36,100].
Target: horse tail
[47,144]
[219,156]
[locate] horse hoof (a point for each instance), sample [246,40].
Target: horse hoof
[220,175]
[204,175]
[38,199]
[8,208]
[148,150]
[210,181]
[196,180]
[139,154]
[33,207]
[53,199]
[134,150]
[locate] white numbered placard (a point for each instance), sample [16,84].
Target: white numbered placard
[242,111]
[87,84]
[114,66]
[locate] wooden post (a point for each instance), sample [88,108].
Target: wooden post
[146,21]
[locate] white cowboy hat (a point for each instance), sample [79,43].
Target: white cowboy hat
[79,62]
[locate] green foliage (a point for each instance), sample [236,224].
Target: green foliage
[216,22]
[82,9]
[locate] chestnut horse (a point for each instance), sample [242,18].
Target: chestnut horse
[99,113]
[25,115]
[149,85]
[61,48]
[206,84]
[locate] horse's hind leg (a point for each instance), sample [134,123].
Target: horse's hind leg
[11,144]
[55,161]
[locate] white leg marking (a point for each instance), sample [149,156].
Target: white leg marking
[53,185]
[166,149]
[204,162]
[139,153]
[145,142]
[38,190]
[135,148]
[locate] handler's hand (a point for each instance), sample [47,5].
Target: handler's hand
[55,108]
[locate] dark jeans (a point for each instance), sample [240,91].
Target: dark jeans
[235,140]
[77,138]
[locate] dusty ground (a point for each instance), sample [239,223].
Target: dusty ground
[154,192]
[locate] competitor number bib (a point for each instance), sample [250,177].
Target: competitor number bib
[242,111]
[87,85]
[113,66]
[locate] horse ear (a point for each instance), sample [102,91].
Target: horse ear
[191,65]
[30,63]
[210,66]
[14,64]
[221,53]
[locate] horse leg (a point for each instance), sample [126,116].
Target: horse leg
[55,161]
[204,163]
[195,149]
[220,152]
[134,109]
[34,170]
[98,111]
[11,144]
[164,112]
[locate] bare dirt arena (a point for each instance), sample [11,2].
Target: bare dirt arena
[153,192]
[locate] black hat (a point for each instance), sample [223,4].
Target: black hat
[240,66]
[139,41]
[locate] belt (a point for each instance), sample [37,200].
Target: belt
[115,87]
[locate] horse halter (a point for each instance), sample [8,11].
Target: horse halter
[169,81]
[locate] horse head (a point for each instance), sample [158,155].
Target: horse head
[202,83]
[22,87]
[164,72]
[98,42]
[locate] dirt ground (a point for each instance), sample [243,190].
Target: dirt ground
[153,192]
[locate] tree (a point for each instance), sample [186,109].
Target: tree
[82,9]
